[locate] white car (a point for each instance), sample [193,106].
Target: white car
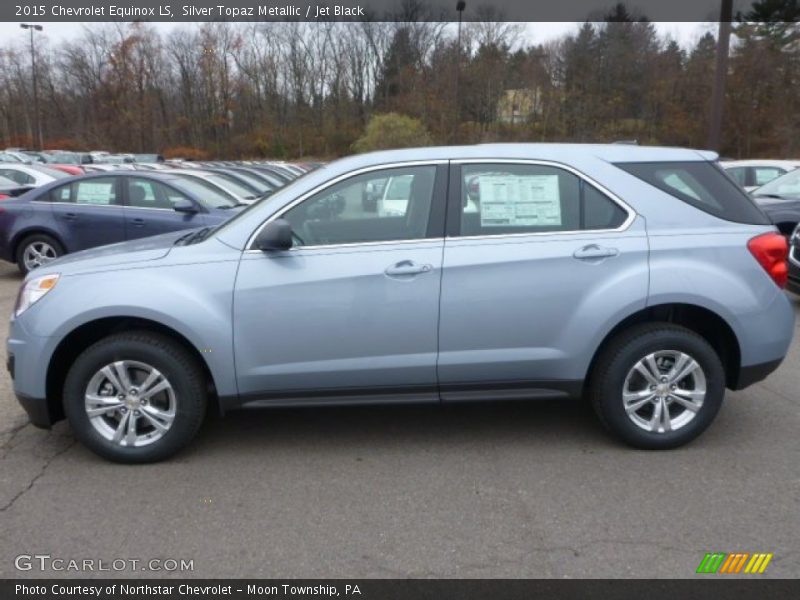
[33,175]
[396,193]
[751,174]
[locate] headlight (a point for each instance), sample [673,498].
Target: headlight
[33,290]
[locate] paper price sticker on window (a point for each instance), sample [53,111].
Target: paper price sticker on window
[95,193]
[519,201]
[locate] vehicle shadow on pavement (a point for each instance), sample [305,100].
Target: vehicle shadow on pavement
[542,422]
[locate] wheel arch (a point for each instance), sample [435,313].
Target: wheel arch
[706,323]
[35,230]
[86,334]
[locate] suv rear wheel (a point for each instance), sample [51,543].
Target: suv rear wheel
[658,386]
[135,397]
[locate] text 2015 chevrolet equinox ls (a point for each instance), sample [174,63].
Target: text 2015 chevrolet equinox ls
[641,277]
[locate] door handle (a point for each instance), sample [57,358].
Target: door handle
[138,222]
[70,216]
[593,252]
[407,267]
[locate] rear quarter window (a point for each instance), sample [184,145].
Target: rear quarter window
[701,184]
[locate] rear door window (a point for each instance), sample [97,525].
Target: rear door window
[100,191]
[701,184]
[502,199]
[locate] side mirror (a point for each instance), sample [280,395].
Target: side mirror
[275,235]
[184,206]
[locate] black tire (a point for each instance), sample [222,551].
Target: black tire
[176,364]
[32,239]
[620,356]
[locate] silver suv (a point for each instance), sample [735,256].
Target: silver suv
[641,278]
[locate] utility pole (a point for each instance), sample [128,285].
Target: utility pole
[720,75]
[37,128]
[460,6]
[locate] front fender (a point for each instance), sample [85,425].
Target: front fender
[197,305]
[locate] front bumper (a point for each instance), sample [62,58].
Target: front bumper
[39,411]
[27,357]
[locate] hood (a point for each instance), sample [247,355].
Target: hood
[114,255]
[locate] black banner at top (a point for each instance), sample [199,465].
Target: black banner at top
[389,10]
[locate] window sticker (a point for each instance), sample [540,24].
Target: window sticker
[519,201]
[95,193]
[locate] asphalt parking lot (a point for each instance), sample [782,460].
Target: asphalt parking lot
[506,490]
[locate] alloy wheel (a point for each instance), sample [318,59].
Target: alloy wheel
[37,254]
[664,391]
[130,403]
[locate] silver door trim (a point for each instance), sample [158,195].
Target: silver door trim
[630,212]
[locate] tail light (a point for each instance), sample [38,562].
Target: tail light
[4,196]
[771,251]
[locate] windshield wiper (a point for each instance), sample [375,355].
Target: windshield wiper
[180,240]
[194,237]
[778,196]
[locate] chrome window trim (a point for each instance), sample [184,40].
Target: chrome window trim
[432,241]
[331,182]
[80,204]
[104,205]
[630,212]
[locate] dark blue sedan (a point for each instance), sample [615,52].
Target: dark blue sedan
[103,208]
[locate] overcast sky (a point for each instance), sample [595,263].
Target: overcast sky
[684,33]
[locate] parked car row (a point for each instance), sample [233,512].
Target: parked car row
[46,212]
[752,174]
[775,186]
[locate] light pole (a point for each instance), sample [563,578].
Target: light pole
[460,6]
[720,75]
[37,129]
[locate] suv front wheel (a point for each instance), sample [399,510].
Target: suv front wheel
[135,397]
[658,386]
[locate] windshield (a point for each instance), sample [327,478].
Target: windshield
[54,173]
[232,186]
[207,193]
[287,188]
[259,185]
[271,178]
[787,185]
[67,158]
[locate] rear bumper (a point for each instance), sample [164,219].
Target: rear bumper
[754,373]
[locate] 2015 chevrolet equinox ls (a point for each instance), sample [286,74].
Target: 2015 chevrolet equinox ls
[641,277]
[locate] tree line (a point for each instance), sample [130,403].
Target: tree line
[294,89]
